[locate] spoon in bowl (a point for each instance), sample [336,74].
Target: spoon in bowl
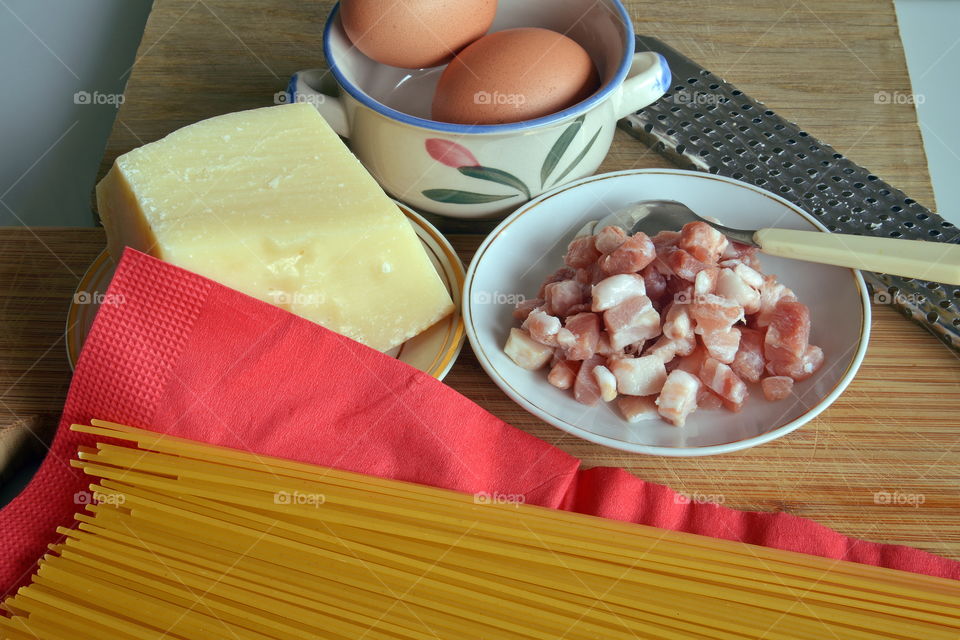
[934,261]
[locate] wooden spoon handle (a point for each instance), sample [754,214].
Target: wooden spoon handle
[934,261]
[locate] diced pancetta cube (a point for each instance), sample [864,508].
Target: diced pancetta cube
[676,321]
[604,348]
[607,383]
[654,282]
[712,313]
[609,239]
[706,281]
[722,345]
[560,296]
[721,379]
[749,275]
[777,387]
[702,241]
[581,252]
[731,286]
[801,368]
[692,362]
[631,321]
[770,294]
[542,327]
[630,257]
[525,351]
[563,373]
[665,239]
[707,399]
[579,336]
[683,264]
[589,276]
[748,363]
[678,397]
[638,408]
[524,308]
[745,254]
[669,348]
[613,290]
[638,376]
[585,387]
[561,274]
[789,332]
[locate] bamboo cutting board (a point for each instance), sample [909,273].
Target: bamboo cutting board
[883,463]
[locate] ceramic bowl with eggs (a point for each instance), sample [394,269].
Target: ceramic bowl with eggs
[529,245]
[529,105]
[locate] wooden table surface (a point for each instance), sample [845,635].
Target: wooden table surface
[818,62]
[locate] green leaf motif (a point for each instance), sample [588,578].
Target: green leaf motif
[579,157]
[558,148]
[496,175]
[455,196]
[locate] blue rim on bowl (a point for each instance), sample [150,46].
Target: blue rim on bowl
[623,69]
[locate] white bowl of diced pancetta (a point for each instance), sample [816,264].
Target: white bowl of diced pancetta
[679,344]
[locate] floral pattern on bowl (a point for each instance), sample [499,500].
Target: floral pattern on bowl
[457,156]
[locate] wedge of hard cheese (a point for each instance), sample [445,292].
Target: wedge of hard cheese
[271,202]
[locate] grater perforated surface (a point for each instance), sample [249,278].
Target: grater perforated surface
[705,123]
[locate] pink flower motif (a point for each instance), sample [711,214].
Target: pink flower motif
[450,153]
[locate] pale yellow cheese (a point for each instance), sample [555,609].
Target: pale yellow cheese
[271,202]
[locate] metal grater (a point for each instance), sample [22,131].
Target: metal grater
[707,124]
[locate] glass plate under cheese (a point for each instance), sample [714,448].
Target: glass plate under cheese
[272,203]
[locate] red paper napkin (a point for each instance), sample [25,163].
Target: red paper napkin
[178,353]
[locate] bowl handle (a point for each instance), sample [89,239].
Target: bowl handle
[319,88]
[648,79]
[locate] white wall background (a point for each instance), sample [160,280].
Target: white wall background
[931,35]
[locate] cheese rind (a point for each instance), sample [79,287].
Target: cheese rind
[270,202]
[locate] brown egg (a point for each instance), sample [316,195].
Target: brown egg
[415,33]
[514,75]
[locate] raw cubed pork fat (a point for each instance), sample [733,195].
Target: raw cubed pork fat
[542,327]
[748,363]
[707,399]
[669,348]
[722,345]
[676,321]
[712,313]
[638,408]
[683,264]
[721,379]
[654,282]
[777,387]
[585,387]
[609,239]
[702,241]
[630,257]
[731,286]
[613,290]
[801,368]
[563,373]
[789,332]
[706,281]
[642,376]
[580,335]
[607,383]
[560,296]
[770,294]
[523,308]
[525,351]
[631,321]
[678,397]
[582,252]
[561,274]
